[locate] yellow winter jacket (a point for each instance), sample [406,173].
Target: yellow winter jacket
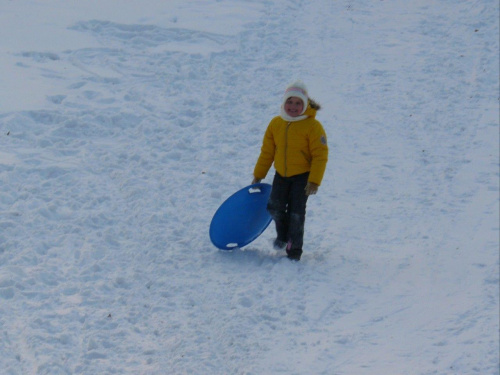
[295,148]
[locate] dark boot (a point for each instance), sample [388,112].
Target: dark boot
[278,244]
[293,253]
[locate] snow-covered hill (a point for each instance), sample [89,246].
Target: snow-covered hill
[124,125]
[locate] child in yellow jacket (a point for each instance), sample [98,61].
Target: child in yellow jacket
[296,143]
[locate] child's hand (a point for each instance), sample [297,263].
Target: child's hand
[256,180]
[311,188]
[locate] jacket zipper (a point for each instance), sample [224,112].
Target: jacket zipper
[286,147]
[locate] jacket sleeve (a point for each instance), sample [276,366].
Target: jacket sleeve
[319,153]
[266,157]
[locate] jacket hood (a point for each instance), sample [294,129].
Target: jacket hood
[311,111]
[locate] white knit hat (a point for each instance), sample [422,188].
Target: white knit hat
[299,90]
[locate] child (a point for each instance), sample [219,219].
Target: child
[296,142]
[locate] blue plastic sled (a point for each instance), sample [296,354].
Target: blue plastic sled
[241,218]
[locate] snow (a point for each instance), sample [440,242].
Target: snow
[124,126]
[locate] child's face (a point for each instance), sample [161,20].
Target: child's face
[294,106]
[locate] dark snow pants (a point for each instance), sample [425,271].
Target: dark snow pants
[287,207]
